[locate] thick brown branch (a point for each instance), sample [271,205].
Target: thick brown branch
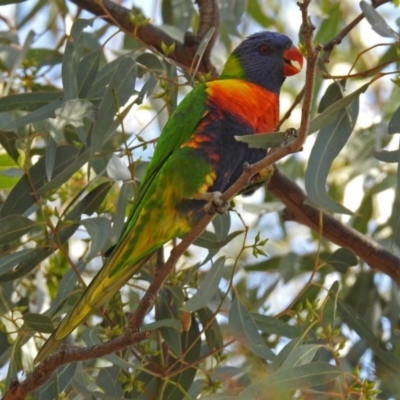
[153,36]
[299,210]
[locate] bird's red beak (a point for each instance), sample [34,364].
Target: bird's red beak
[289,56]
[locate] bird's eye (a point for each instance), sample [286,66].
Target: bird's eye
[264,50]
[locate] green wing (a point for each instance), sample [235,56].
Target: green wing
[122,263]
[180,126]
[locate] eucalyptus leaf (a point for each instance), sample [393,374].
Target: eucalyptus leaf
[39,322]
[87,72]
[301,376]
[342,259]
[99,229]
[28,101]
[329,115]
[72,55]
[244,329]
[394,123]
[378,24]
[38,114]
[301,355]
[8,140]
[120,88]
[392,156]
[13,227]
[21,198]
[328,144]
[207,288]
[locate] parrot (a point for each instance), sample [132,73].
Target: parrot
[196,159]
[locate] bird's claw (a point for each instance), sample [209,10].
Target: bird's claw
[290,136]
[215,204]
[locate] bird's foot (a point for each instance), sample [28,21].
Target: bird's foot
[215,204]
[290,136]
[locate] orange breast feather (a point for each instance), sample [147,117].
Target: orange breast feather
[251,103]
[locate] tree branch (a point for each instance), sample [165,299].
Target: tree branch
[299,210]
[329,46]
[283,188]
[153,36]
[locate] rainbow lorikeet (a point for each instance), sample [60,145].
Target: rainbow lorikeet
[196,156]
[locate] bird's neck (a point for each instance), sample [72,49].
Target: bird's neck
[250,103]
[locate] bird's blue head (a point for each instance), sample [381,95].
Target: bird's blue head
[264,58]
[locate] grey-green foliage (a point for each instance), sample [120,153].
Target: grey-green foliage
[230,323]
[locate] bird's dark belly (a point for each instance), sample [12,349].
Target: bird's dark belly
[232,154]
[227,156]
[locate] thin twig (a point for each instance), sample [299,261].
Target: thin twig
[329,46]
[153,37]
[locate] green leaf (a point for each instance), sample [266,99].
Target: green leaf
[341,259]
[87,72]
[329,114]
[212,331]
[147,89]
[39,114]
[28,101]
[9,140]
[108,381]
[244,329]
[275,326]
[177,13]
[6,2]
[125,194]
[60,381]
[296,378]
[163,323]
[39,322]
[150,62]
[120,88]
[50,157]
[72,54]
[66,287]
[257,13]
[285,352]
[21,198]
[378,24]
[355,321]
[328,145]
[387,156]
[17,61]
[13,227]
[209,240]
[208,287]
[88,205]
[9,261]
[99,229]
[10,173]
[263,208]
[394,124]
[184,376]
[15,360]
[60,176]
[222,225]
[264,140]
[330,24]
[301,355]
